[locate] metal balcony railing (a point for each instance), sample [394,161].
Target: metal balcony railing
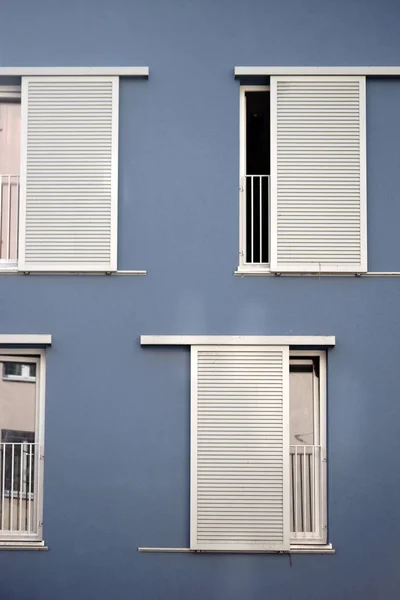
[255,219]
[306,492]
[19,489]
[9,213]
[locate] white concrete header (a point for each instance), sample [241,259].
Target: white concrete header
[236,340]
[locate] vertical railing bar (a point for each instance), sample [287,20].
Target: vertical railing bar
[309,505]
[313,489]
[12,488]
[301,492]
[17,217]
[9,219]
[37,499]
[21,478]
[304,491]
[295,495]
[3,486]
[292,483]
[321,489]
[252,217]
[29,488]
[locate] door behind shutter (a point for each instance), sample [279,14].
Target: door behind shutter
[69,177]
[239,448]
[318,174]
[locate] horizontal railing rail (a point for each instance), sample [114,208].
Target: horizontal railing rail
[9,217]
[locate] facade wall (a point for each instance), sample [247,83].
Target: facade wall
[117,415]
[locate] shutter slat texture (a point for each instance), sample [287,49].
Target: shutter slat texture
[69,196]
[318,158]
[239,448]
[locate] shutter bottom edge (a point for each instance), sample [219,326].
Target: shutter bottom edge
[67,268]
[318,268]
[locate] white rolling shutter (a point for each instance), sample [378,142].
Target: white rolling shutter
[239,448]
[318,174]
[69,177]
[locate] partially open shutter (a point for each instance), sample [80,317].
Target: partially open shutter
[239,448]
[69,177]
[318,174]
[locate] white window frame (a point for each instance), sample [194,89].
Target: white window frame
[243,265]
[23,377]
[10,93]
[36,356]
[320,426]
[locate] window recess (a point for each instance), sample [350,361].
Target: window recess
[255,177]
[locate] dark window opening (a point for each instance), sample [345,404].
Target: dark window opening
[257,176]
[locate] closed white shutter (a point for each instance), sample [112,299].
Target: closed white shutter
[239,448]
[318,174]
[69,175]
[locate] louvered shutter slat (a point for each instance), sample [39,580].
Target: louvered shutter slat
[239,448]
[68,216]
[318,187]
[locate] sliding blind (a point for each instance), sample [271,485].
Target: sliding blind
[68,218]
[239,448]
[318,181]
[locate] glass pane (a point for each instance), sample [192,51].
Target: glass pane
[17,445]
[15,369]
[301,404]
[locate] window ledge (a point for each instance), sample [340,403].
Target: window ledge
[23,546]
[295,549]
[14,271]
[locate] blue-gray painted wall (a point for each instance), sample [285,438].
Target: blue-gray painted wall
[117,415]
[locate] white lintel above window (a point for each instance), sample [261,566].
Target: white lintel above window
[29,339]
[74,71]
[321,341]
[265,71]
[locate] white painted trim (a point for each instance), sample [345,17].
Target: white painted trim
[363,70]
[25,340]
[23,545]
[15,271]
[74,71]
[265,273]
[10,92]
[193,446]
[238,340]
[23,171]
[273,187]
[295,549]
[363,175]
[114,176]
[285,445]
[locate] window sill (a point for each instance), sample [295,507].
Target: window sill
[15,271]
[295,549]
[23,545]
